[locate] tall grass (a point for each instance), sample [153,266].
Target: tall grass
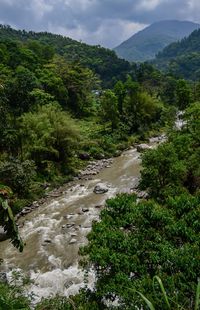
[167,300]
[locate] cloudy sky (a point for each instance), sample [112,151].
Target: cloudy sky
[105,22]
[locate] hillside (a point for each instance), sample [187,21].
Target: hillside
[182,58]
[145,44]
[102,61]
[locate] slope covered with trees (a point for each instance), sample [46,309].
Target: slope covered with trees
[182,58]
[145,44]
[54,110]
[102,61]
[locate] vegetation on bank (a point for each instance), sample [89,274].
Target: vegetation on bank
[52,112]
[181,58]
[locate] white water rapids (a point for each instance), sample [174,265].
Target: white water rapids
[55,231]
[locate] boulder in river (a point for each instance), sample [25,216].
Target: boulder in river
[3,277]
[143,147]
[100,188]
[85,210]
[72,241]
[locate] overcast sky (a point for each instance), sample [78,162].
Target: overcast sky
[104,22]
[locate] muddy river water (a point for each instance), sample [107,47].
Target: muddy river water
[54,232]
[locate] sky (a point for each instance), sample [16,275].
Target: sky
[104,22]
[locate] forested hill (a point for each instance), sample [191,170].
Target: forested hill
[145,44]
[102,61]
[182,58]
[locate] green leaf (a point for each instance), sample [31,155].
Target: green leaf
[148,303]
[163,290]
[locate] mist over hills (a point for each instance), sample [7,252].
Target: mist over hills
[145,44]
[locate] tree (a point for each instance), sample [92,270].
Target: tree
[120,92]
[109,108]
[133,242]
[19,90]
[183,94]
[48,135]
[163,174]
[17,175]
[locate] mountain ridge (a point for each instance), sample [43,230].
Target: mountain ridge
[145,44]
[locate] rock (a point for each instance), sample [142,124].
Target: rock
[45,185]
[68,217]
[99,156]
[99,206]
[47,241]
[143,147]
[73,235]
[68,284]
[100,188]
[117,153]
[70,225]
[72,241]
[35,204]
[3,277]
[3,235]
[85,210]
[142,195]
[84,156]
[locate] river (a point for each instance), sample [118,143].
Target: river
[55,231]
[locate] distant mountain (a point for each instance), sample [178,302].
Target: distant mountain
[182,58]
[102,61]
[145,44]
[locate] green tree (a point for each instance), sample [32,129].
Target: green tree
[48,134]
[133,242]
[162,174]
[17,175]
[19,90]
[109,108]
[183,94]
[120,92]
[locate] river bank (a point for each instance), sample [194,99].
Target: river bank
[55,229]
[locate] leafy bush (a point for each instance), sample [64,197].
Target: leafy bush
[18,175]
[136,241]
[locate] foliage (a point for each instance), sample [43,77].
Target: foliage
[136,241]
[181,58]
[163,174]
[7,218]
[17,175]
[109,108]
[165,297]
[42,46]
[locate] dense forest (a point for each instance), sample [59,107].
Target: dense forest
[182,58]
[58,110]
[102,61]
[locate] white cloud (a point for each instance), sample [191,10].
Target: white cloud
[40,8]
[105,22]
[148,5]
[110,33]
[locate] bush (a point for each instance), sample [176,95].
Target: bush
[136,241]
[18,175]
